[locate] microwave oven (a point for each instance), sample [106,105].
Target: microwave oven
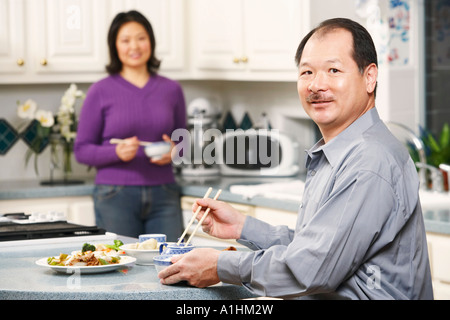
[258,153]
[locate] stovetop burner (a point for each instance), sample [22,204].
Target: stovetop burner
[57,229]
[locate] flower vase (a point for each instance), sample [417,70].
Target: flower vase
[60,160]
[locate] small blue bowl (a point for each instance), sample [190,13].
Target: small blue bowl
[161,262]
[173,248]
[159,237]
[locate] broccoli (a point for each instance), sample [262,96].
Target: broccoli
[116,246]
[88,247]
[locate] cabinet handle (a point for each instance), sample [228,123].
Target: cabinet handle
[244,59]
[20,62]
[43,62]
[236,60]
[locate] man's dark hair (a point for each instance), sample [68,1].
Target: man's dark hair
[115,65]
[364,52]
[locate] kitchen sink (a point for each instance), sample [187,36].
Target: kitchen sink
[436,211]
[434,200]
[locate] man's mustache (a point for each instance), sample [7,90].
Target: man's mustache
[319,97]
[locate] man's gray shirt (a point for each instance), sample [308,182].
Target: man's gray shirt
[359,234]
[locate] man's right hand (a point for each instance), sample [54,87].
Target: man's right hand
[223,221]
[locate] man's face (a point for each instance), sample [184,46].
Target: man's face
[331,88]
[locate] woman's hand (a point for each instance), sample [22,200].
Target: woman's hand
[223,221]
[127,151]
[166,158]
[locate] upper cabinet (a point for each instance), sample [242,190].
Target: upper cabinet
[70,37]
[247,39]
[12,37]
[50,41]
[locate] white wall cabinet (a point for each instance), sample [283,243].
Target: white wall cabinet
[247,39]
[70,36]
[52,41]
[12,37]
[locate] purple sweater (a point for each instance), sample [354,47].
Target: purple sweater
[115,108]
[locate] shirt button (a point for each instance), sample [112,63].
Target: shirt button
[313,173]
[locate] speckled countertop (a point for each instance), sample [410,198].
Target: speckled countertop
[22,279]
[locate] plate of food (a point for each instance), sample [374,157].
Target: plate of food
[90,259]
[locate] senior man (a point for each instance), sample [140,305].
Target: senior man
[360,232]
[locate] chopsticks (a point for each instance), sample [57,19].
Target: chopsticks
[203,218]
[195,216]
[118,141]
[208,192]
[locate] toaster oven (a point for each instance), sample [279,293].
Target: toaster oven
[257,153]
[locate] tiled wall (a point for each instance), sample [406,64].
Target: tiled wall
[9,136]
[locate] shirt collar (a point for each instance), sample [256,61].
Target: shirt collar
[335,148]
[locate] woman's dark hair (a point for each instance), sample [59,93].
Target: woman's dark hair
[364,52]
[115,65]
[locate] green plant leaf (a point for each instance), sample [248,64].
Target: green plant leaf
[433,144]
[36,170]
[445,136]
[28,155]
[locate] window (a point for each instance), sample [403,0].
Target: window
[437,40]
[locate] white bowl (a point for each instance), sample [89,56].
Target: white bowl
[157,149]
[161,262]
[143,257]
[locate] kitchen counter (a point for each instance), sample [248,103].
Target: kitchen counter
[22,279]
[436,220]
[195,187]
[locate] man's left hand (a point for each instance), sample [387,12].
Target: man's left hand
[198,267]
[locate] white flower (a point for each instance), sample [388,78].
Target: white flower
[65,111]
[70,96]
[67,102]
[67,134]
[45,118]
[73,90]
[64,118]
[66,130]
[27,110]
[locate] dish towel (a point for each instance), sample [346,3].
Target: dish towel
[291,190]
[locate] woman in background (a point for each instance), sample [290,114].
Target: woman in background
[133,194]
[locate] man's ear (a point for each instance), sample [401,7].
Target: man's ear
[371,76]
